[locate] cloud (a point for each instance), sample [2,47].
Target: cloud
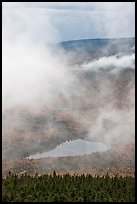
[113,127]
[70,5]
[39,82]
[102,19]
[23,24]
[112,62]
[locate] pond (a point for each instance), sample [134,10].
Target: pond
[72,148]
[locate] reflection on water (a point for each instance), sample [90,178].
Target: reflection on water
[72,148]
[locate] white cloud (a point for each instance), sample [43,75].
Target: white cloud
[70,5]
[75,20]
[34,76]
[117,63]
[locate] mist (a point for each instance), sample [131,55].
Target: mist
[46,98]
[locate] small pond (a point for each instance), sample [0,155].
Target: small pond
[72,148]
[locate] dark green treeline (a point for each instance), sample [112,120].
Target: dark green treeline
[67,188]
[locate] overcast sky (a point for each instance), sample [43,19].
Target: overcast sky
[62,21]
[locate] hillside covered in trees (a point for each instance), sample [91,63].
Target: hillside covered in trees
[71,188]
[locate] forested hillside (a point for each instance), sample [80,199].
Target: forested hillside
[57,188]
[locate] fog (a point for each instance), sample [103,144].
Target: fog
[32,75]
[116,62]
[42,91]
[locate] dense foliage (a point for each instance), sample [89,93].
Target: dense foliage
[57,188]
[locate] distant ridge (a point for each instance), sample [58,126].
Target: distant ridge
[99,46]
[94,39]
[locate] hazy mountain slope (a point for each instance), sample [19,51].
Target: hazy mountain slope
[97,104]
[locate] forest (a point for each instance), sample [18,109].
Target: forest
[67,188]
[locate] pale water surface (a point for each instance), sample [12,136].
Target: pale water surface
[72,148]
